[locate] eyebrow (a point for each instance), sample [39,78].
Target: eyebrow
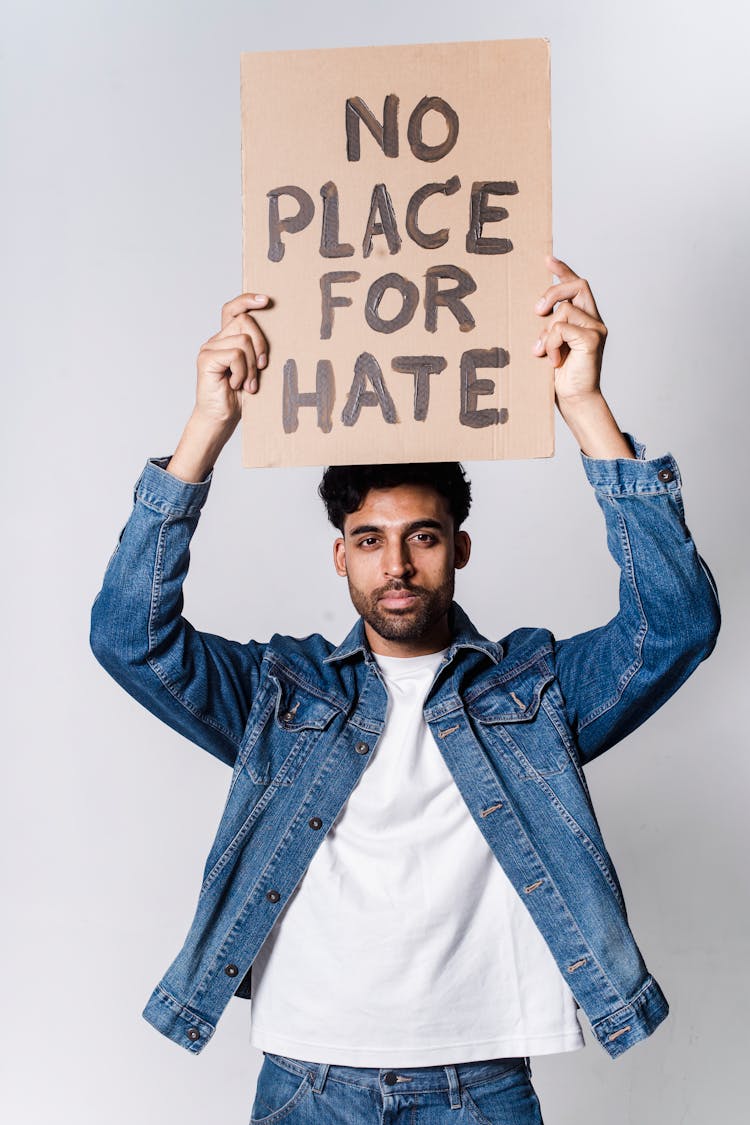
[369,528]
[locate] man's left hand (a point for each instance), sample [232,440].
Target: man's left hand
[573,338]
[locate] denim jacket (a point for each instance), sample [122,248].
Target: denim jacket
[516,720]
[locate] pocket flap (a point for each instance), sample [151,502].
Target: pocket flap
[514,701]
[295,709]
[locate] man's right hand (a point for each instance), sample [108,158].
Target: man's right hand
[228,367]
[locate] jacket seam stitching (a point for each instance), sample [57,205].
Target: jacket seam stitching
[635,666]
[626,1004]
[182,1009]
[158,670]
[586,945]
[275,662]
[585,839]
[533,661]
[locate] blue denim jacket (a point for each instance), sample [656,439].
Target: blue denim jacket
[516,721]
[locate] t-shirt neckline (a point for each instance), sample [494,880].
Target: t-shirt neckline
[403,665]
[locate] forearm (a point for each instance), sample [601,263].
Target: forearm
[199,447]
[593,426]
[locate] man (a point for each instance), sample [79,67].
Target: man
[408,857]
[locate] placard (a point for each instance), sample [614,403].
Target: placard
[397,211]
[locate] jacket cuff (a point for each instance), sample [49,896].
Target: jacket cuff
[165,493]
[623,477]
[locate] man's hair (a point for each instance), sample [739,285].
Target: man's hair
[344,487]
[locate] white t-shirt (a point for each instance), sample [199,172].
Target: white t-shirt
[405,944]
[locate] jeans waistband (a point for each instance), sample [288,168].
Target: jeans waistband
[414,1079]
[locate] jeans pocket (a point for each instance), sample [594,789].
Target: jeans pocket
[509,1097]
[277,1093]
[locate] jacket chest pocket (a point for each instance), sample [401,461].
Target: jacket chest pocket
[523,726]
[284,731]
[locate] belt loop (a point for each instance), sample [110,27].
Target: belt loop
[527,1061]
[454,1087]
[320,1078]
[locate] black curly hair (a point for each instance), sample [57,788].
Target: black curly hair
[344,487]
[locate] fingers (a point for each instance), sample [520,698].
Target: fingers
[239,327]
[241,304]
[215,360]
[570,287]
[570,329]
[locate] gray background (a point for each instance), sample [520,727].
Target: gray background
[121,240]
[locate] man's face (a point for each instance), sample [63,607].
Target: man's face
[399,554]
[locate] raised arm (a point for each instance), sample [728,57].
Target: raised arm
[615,676]
[200,684]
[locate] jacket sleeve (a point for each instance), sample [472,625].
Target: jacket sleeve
[615,676]
[200,684]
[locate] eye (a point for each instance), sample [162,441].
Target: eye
[368,541]
[425,537]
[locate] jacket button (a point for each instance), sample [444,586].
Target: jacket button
[315,823]
[273,896]
[665,475]
[390,1078]
[231,970]
[288,716]
[193,1033]
[362,748]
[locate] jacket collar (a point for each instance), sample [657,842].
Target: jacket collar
[464,635]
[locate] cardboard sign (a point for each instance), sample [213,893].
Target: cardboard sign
[397,210]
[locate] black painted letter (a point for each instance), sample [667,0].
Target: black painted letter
[330,247]
[431,153]
[471,387]
[439,237]
[328,302]
[409,298]
[293,224]
[386,134]
[367,367]
[321,397]
[482,212]
[448,298]
[381,204]
[421,366]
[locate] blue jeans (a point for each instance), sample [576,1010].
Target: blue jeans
[494,1092]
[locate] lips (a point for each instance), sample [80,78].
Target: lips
[398,599]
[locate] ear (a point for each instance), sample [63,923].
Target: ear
[339,557]
[462,545]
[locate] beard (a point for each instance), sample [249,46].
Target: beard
[408,624]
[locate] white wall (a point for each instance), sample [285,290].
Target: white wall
[121,216]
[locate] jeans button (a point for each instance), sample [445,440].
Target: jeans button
[231,970]
[362,748]
[193,1033]
[273,896]
[315,822]
[665,475]
[390,1078]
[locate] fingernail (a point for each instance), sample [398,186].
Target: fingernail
[537,345]
[253,386]
[541,303]
[262,359]
[260,297]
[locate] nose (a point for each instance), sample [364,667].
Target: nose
[397,562]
